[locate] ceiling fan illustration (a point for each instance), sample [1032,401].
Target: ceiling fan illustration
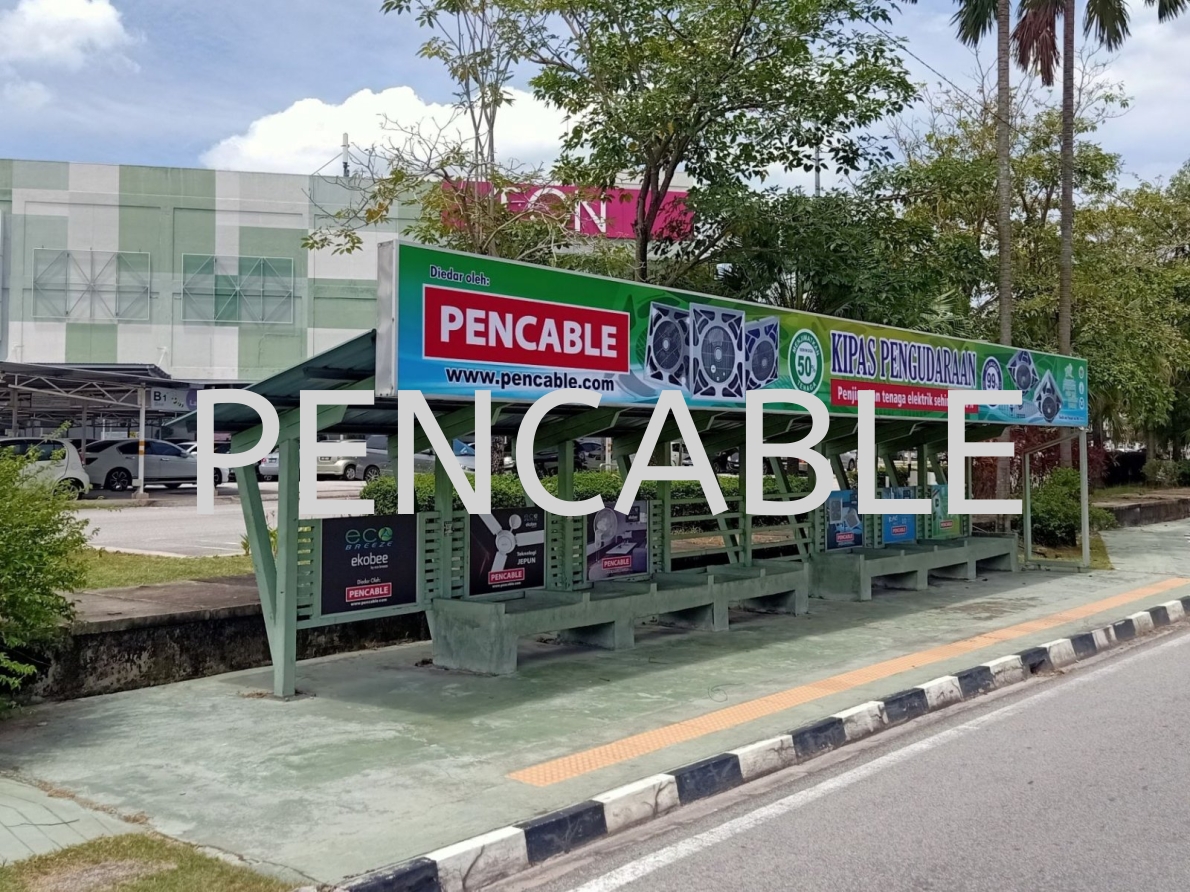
[509,540]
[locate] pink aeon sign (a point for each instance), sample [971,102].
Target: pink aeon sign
[610,214]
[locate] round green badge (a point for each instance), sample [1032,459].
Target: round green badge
[385,534]
[805,361]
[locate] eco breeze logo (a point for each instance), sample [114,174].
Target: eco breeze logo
[372,547]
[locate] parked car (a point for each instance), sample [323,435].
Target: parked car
[222,474]
[166,464]
[345,467]
[57,461]
[423,462]
[269,467]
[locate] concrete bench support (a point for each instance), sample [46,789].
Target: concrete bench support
[481,636]
[850,575]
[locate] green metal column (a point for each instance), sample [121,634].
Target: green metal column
[285,617]
[1028,507]
[1084,498]
[568,524]
[923,474]
[256,524]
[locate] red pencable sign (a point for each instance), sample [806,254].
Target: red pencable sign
[475,327]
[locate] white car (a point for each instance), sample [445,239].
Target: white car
[57,461]
[222,474]
[166,464]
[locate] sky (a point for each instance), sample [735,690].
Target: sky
[273,84]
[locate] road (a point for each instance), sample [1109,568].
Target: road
[174,527]
[1076,783]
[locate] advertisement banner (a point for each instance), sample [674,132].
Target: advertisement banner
[507,551]
[946,525]
[898,527]
[844,526]
[368,562]
[618,544]
[455,323]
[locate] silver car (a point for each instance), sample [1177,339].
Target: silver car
[166,464]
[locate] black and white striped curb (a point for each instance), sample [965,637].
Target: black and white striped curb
[470,865]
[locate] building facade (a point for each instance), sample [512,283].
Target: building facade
[199,272]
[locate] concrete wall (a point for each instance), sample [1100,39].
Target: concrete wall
[122,655]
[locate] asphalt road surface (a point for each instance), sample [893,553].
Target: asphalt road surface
[1076,783]
[174,527]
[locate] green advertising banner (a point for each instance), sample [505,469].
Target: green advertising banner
[452,324]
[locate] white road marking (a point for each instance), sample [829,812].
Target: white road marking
[654,861]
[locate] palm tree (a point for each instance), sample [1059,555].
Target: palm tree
[973,20]
[1035,40]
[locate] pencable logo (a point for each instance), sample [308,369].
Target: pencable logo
[467,325]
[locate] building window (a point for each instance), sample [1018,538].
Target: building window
[90,285]
[237,289]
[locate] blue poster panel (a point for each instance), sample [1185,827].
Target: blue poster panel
[844,526]
[899,527]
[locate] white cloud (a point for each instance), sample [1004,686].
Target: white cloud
[62,33]
[25,95]
[306,136]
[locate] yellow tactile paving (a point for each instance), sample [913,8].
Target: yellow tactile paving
[568,767]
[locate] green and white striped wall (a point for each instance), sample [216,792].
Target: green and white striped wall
[201,272]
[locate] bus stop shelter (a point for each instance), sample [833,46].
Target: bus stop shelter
[450,324]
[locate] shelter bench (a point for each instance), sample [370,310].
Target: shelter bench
[481,636]
[849,575]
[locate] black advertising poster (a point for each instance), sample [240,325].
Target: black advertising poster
[368,562]
[618,544]
[507,550]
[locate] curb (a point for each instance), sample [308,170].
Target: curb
[470,865]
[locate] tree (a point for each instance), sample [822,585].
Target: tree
[1036,40]
[973,20]
[40,541]
[848,254]
[724,90]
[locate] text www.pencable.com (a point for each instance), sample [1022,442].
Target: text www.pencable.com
[529,380]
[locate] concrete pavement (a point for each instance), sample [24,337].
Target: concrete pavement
[389,758]
[32,822]
[1074,783]
[173,527]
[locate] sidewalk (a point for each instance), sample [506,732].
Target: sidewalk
[32,822]
[387,758]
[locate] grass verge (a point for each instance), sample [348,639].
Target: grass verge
[135,862]
[113,569]
[1100,559]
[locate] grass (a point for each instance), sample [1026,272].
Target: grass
[113,569]
[1100,559]
[135,862]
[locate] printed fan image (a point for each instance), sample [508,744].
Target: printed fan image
[1047,397]
[761,342]
[507,541]
[716,352]
[667,352]
[1022,371]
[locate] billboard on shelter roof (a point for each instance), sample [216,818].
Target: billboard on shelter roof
[452,324]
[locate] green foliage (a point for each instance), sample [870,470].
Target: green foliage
[1057,519]
[723,90]
[1162,472]
[41,539]
[847,254]
[246,544]
[507,491]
